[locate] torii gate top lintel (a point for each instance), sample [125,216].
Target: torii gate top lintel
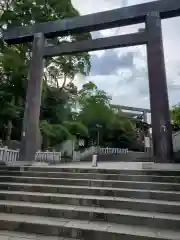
[93,22]
[136,109]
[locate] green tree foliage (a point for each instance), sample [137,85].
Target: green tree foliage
[175,114]
[76,128]
[26,12]
[14,64]
[96,113]
[65,112]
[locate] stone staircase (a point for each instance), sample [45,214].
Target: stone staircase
[89,204]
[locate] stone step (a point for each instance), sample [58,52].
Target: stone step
[89,190]
[158,172]
[82,229]
[111,215]
[11,235]
[94,183]
[105,171]
[100,176]
[93,201]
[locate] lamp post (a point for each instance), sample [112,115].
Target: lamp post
[98,140]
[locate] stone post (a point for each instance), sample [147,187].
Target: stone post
[30,133]
[160,116]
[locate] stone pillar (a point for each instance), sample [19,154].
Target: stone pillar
[160,116]
[30,130]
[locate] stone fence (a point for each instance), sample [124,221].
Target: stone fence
[10,156]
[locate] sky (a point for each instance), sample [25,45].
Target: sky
[122,72]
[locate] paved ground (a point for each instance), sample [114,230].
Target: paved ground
[7,235]
[118,165]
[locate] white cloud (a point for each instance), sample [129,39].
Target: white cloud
[79,80]
[135,92]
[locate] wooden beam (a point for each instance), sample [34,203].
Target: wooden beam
[93,22]
[97,44]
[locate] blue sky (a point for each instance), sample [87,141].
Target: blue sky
[123,72]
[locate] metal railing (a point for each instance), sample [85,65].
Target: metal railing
[113,151]
[77,156]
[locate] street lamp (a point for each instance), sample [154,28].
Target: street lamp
[98,139]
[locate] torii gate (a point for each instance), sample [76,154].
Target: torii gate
[142,111]
[151,13]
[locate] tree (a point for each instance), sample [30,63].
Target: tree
[59,71]
[96,113]
[27,12]
[53,134]
[92,105]
[65,111]
[9,113]
[76,128]
[175,114]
